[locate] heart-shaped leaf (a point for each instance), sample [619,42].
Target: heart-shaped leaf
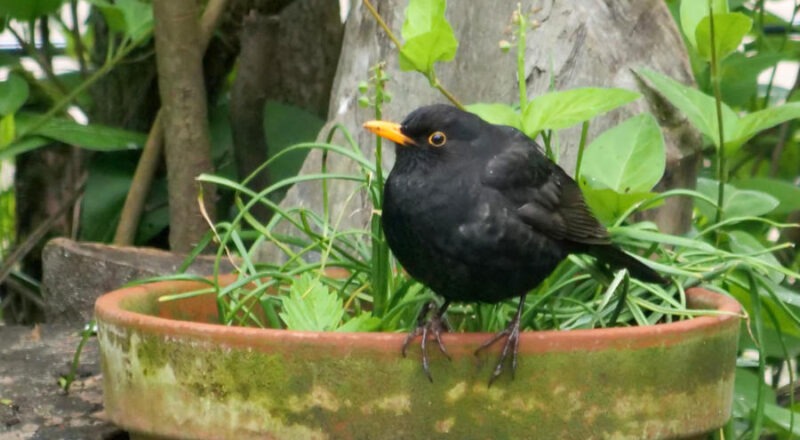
[26,10]
[428,36]
[628,158]
[500,114]
[608,205]
[729,30]
[693,11]
[743,243]
[751,124]
[557,110]
[787,194]
[737,202]
[698,107]
[92,137]
[13,94]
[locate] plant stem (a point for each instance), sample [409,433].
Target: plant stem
[380,249]
[446,92]
[521,46]
[581,148]
[432,75]
[86,333]
[74,93]
[382,24]
[758,334]
[721,159]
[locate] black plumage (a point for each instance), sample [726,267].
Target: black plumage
[477,212]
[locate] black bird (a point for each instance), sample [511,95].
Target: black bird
[477,212]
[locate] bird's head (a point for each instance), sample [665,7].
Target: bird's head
[432,128]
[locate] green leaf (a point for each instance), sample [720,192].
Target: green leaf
[557,110]
[729,30]
[311,306]
[422,16]
[698,107]
[753,123]
[138,18]
[133,18]
[789,330]
[607,205]
[112,14]
[7,130]
[422,52]
[364,322]
[92,137]
[787,194]
[428,36]
[693,11]
[628,158]
[739,75]
[13,94]
[286,125]
[108,184]
[743,243]
[780,419]
[500,114]
[737,202]
[22,145]
[27,10]
[746,386]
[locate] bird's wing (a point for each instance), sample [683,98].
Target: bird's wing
[546,198]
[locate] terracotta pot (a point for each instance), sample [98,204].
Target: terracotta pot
[167,375]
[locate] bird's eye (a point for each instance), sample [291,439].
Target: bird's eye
[437,139]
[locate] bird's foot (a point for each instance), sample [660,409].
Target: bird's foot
[434,325]
[511,333]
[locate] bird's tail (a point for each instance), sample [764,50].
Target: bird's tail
[618,259]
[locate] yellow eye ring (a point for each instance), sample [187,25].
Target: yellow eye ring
[437,139]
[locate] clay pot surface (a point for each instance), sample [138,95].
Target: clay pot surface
[170,372]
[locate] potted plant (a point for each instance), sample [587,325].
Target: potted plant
[639,361]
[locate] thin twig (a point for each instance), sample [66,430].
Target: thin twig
[383,24]
[39,58]
[23,291]
[431,76]
[140,184]
[447,94]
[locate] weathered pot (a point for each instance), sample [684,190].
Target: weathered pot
[168,372]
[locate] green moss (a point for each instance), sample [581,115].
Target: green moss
[308,389]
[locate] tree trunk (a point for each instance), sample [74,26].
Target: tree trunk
[576,44]
[183,97]
[281,60]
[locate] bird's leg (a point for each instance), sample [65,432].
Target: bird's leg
[511,333]
[435,325]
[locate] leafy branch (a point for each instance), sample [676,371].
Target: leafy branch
[426,41]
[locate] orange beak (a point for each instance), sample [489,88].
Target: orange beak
[389,130]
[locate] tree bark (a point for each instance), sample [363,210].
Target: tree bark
[576,44]
[183,96]
[281,60]
[150,159]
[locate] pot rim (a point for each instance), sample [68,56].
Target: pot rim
[109,310]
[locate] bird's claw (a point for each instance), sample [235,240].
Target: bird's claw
[434,325]
[511,333]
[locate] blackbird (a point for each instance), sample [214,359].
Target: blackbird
[478,213]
